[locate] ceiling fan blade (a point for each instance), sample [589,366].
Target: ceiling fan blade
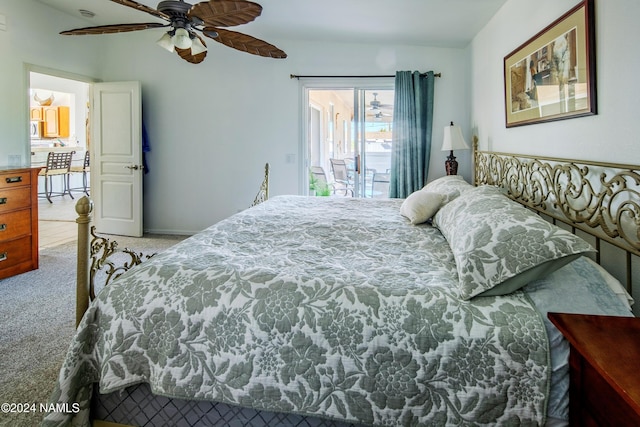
[244,43]
[110,29]
[187,56]
[226,13]
[143,8]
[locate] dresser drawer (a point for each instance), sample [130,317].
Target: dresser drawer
[15,179]
[15,224]
[15,198]
[18,221]
[15,252]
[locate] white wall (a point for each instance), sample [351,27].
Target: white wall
[212,126]
[612,135]
[32,37]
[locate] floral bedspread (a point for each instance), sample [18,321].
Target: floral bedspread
[333,308]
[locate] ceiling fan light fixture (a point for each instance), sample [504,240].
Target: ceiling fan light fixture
[166,41]
[181,39]
[197,46]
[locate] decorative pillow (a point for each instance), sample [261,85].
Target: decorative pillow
[421,205]
[499,245]
[450,186]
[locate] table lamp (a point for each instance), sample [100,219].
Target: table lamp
[453,140]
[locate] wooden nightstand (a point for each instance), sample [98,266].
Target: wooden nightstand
[604,358]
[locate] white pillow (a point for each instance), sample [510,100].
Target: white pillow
[450,186]
[615,285]
[421,205]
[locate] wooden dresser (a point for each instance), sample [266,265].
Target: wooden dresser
[18,220]
[603,360]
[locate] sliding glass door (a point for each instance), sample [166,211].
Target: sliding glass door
[347,131]
[373,131]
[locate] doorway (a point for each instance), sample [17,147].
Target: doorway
[58,122]
[108,125]
[348,123]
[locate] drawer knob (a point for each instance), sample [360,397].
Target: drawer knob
[13,179]
[3,200]
[3,227]
[3,256]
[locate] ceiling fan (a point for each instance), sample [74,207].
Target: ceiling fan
[185,21]
[377,105]
[378,114]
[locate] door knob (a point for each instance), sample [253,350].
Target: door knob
[135,167]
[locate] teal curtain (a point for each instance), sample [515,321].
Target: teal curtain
[412,126]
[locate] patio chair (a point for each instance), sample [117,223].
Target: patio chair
[318,180]
[341,175]
[380,185]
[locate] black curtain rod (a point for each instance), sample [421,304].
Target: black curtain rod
[294,76]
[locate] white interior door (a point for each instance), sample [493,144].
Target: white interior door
[116,155]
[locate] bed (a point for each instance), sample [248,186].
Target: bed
[311,311]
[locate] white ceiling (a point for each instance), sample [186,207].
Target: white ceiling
[438,23]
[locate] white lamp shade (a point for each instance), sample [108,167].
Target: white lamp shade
[181,39]
[453,139]
[166,42]
[197,46]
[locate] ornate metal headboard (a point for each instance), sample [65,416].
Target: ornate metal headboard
[600,199]
[263,193]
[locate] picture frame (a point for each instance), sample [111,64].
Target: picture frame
[552,76]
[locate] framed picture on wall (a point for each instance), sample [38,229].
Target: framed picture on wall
[552,75]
